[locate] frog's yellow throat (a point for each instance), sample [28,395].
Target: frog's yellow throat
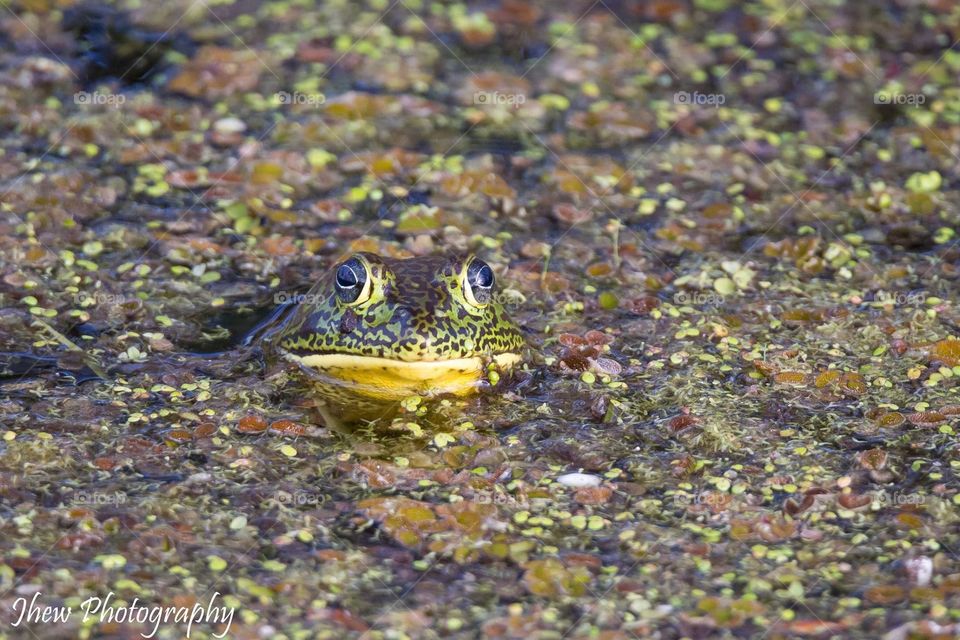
[390,380]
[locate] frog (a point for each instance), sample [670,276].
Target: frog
[376,330]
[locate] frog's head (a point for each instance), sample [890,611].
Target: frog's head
[394,328]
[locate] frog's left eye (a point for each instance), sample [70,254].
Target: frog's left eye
[352,282]
[478,283]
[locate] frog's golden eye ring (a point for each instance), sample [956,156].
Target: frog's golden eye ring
[478,283]
[353,282]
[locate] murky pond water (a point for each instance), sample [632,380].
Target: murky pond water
[728,232]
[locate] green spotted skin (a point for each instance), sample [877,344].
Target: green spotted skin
[417,311]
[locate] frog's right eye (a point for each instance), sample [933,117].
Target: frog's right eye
[478,283]
[353,282]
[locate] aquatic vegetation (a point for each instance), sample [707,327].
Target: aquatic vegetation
[728,230]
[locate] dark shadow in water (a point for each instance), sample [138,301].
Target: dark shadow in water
[18,366]
[244,328]
[109,45]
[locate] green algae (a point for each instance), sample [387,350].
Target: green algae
[729,230]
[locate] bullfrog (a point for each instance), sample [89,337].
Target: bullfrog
[376,330]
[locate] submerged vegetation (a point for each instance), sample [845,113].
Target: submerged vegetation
[727,229]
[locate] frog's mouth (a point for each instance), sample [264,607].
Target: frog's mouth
[386,379]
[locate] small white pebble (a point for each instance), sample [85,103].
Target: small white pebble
[920,569]
[28,589]
[229,125]
[580,480]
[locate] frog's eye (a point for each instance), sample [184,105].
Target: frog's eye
[353,285]
[478,283]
